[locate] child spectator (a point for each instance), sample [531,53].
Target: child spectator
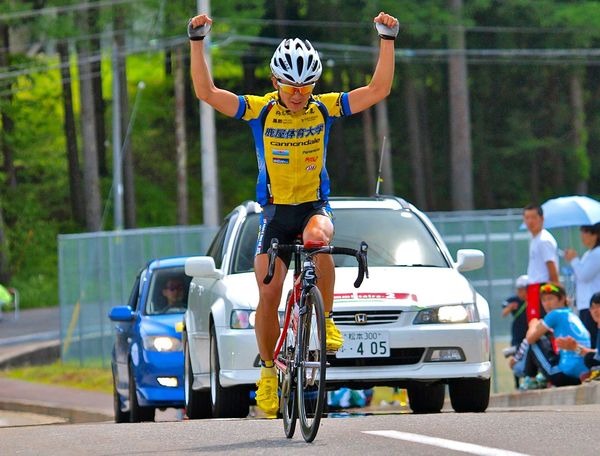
[562,323]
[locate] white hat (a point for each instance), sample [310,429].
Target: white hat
[522,281]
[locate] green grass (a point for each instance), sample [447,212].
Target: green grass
[65,374]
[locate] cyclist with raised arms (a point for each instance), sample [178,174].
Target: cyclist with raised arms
[291,129]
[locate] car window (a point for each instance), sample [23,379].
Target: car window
[243,258]
[168,291]
[216,247]
[395,238]
[135,293]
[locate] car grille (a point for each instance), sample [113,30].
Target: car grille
[366,317]
[398,357]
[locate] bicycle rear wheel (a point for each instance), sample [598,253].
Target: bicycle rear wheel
[311,391]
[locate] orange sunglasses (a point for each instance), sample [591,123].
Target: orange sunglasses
[291,89]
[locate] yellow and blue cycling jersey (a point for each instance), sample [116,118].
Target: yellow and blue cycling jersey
[291,148]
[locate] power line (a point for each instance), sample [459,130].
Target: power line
[54,10]
[348,54]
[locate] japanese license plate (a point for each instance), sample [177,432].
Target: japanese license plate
[365,344]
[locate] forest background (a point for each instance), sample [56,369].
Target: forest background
[495,104]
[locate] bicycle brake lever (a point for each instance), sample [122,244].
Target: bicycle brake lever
[363,250]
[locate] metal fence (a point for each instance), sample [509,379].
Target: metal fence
[96,271]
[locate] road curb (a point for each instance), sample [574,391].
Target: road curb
[587,393]
[30,354]
[72,415]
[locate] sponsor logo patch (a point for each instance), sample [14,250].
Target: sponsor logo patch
[281,161]
[281,153]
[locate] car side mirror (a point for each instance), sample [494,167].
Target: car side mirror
[469,259]
[121,313]
[202,266]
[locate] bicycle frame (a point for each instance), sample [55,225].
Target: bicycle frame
[293,303]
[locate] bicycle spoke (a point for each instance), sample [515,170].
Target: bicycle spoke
[311,371]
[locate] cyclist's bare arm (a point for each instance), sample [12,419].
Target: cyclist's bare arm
[222,100]
[381,82]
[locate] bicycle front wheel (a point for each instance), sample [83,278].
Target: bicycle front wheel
[287,382]
[311,391]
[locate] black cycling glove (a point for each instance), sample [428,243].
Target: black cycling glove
[387,33]
[197,33]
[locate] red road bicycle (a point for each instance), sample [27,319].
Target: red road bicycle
[300,355]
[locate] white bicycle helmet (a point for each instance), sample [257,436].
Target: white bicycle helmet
[296,61]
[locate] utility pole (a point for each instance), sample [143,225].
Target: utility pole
[117,138]
[210,187]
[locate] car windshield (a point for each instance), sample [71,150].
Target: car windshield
[395,238]
[168,291]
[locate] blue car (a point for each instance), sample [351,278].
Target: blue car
[147,357]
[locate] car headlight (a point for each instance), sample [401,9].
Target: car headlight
[459,313]
[162,343]
[245,319]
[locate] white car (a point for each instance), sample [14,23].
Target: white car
[416,322]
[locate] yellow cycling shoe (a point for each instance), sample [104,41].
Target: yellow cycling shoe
[334,338]
[266,395]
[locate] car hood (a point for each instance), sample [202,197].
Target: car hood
[407,287]
[162,325]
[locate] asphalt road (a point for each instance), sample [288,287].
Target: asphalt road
[32,325]
[540,431]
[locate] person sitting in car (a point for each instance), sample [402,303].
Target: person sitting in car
[174,295]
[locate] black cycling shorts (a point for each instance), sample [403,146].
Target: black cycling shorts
[286,223]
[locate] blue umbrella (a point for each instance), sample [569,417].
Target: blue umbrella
[571,211]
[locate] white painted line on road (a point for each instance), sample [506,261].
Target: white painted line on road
[445,443]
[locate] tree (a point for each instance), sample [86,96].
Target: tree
[180,140]
[460,122]
[75,182]
[6,101]
[88,128]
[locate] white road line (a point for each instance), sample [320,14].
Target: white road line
[445,443]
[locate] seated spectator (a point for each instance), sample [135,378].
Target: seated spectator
[515,306]
[591,357]
[524,366]
[562,323]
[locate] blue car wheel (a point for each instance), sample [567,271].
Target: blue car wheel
[120,415]
[136,412]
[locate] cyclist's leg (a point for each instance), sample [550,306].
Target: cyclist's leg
[320,228]
[267,318]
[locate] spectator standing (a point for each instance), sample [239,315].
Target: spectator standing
[543,259]
[587,275]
